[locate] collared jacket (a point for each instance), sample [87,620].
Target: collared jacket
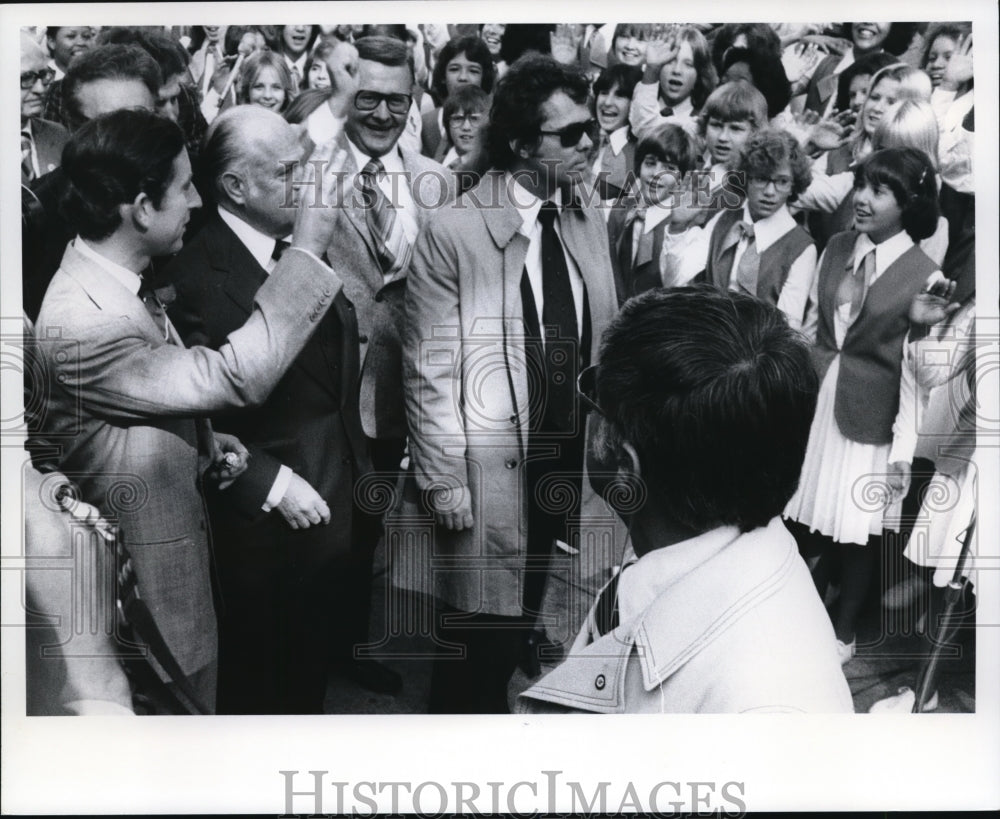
[743,631]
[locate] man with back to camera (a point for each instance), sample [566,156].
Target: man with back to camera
[125,400]
[704,400]
[508,291]
[287,574]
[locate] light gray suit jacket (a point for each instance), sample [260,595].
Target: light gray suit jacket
[379,306]
[125,408]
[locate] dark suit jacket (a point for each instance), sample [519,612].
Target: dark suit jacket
[127,410]
[309,423]
[50,137]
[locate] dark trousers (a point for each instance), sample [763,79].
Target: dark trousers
[476,657]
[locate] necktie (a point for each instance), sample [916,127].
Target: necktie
[280,246]
[27,168]
[634,223]
[296,78]
[854,284]
[749,265]
[666,111]
[559,325]
[391,247]
[154,307]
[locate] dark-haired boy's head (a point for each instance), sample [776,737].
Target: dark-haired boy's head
[115,159]
[715,393]
[663,158]
[108,78]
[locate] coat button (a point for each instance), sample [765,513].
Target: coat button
[599,682]
[513,419]
[510,463]
[362,339]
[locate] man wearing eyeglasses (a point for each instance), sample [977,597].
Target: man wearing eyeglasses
[41,141]
[393,192]
[509,294]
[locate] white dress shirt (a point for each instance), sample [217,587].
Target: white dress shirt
[644,112]
[529,206]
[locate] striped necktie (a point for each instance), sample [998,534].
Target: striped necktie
[392,248]
[749,265]
[27,167]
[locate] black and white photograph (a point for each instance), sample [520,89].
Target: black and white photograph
[397,402]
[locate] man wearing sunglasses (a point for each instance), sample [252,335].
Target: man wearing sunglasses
[392,192]
[508,295]
[41,141]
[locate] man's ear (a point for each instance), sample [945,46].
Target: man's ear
[520,149]
[140,212]
[628,462]
[235,186]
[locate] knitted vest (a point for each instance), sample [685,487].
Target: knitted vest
[867,397]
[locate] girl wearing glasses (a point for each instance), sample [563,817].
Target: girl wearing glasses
[465,115]
[463,61]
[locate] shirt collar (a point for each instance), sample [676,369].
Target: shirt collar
[885,253]
[392,162]
[300,63]
[261,247]
[618,139]
[768,230]
[685,108]
[26,129]
[529,205]
[656,571]
[655,214]
[130,280]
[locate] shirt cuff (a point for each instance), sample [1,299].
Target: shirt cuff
[279,487]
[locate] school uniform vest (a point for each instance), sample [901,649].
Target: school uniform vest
[634,276]
[824,225]
[867,396]
[775,262]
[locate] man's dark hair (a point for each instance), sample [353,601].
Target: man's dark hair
[517,102]
[386,50]
[768,76]
[716,393]
[169,54]
[395,30]
[868,66]
[107,62]
[111,160]
[761,39]
[475,50]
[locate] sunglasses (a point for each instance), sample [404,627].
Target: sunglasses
[370,100]
[29,78]
[570,135]
[586,390]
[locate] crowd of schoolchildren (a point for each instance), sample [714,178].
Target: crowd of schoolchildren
[825,169]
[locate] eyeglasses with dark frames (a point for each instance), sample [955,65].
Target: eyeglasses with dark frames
[474,120]
[586,390]
[570,134]
[29,78]
[370,100]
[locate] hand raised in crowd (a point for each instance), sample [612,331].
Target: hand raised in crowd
[831,45]
[685,209]
[301,506]
[452,508]
[959,68]
[800,60]
[229,459]
[564,42]
[342,64]
[319,197]
[662,47]
[933,303]
[825,133]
